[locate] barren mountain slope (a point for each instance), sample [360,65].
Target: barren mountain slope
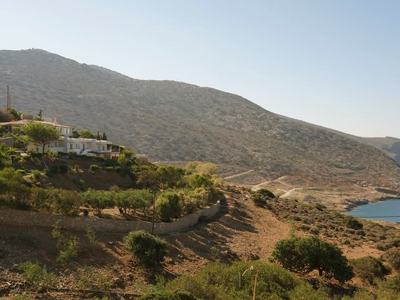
[177,121]
[389,145]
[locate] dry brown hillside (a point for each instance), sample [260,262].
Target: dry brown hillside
[241,231]
[177,121]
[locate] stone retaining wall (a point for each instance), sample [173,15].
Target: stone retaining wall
[29,218]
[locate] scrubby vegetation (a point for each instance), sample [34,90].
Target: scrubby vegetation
[148,249]
[176,191]
[305,255]
[171,192]
[369,269]
[320,221]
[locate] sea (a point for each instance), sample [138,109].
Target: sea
[387,210]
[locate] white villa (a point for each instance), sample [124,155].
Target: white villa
[66,143]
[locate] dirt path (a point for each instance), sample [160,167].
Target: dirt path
[238,175]
[290,193]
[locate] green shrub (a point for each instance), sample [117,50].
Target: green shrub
[52,171]
[171,176]
[369,268]
[94,168]
[319,206]
[176,295]
[21,171]
[307,254]
[148,249]
[219,281]
[306,292]
[13,190]
[68,250]
[91,236]
[131,200]
[189,206]
[198,181]
[266,193]
[87,278]
[110,168]
[99,200]
[37,174]
[64,169]
[361,295]
[258,201]
[392,284]
[37,276]
[215,195]
[168,206]
[353,223]
[392,256]
[64,202]
[66,244]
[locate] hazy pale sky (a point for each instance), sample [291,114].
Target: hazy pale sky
[332,63]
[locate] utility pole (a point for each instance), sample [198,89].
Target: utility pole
[8,97]
[154,211]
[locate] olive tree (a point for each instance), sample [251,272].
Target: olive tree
[308,254]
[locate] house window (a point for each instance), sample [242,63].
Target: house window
[55,144]
[104,148]
[70,146]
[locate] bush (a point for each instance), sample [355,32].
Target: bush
[170,175]
[110,168]
[307,254]
[392,256]
[353,223]
[176,295]
[168,206]
[148,249]
[21,171]
[63,169]
[214,195]
[52,171]
[87,278]
[36,174]
[392,284]
[94,168]
[13,191]
[360,295]
[190,206]
[369,268]
[99,200]
[219,281]
[266,193]
[37,276]
[131,200]
[64,202]
[66,244]
[258,201]
[198,181]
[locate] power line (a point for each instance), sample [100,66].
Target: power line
[375,217]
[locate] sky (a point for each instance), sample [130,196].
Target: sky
[331,63]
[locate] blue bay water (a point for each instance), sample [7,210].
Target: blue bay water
[388,210]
